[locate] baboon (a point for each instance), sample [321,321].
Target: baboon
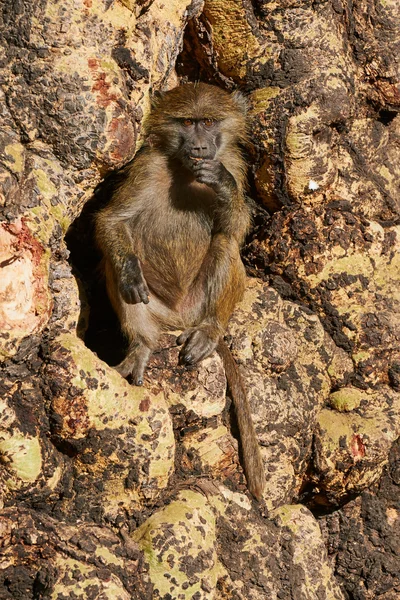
[171,238]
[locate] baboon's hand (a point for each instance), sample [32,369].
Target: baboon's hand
[214,174]
[132,284]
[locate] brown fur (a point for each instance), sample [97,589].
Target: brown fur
[185,237]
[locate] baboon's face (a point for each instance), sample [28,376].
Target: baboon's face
[195,139]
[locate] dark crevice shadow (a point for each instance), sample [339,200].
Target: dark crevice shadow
[103,334]
[387,116]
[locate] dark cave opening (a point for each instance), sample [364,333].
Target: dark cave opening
[103,334]
[387,116]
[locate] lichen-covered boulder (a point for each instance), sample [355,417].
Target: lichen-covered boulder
[363,537]
[31,467]
[55,559]
[179,546]
[121,435]
[209,544]
[347,267]
[93,63]
[200,390]
[312,571]
[197,401]
[284,357]
[352,443]
[211,451]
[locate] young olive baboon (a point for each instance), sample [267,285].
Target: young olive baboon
[171,235]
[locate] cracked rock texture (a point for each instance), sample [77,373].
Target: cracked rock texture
[115,492]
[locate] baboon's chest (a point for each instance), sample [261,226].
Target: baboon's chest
[172,247]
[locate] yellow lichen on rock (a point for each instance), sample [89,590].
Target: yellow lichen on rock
[23,457]
[233,40]
[30,464]
[210,383]
[309,157]
[282,358]
[309,547]
[179,545]
[15,157]
[347,399]
[213,451]
[133,422]
[110,589]
[351,449]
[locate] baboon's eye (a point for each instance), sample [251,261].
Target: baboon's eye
[208,122]
[187,122]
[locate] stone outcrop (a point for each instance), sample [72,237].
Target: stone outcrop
[113,491]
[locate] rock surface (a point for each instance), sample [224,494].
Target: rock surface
[111,491]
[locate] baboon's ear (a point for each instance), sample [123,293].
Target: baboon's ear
[155,98]
[240,101]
